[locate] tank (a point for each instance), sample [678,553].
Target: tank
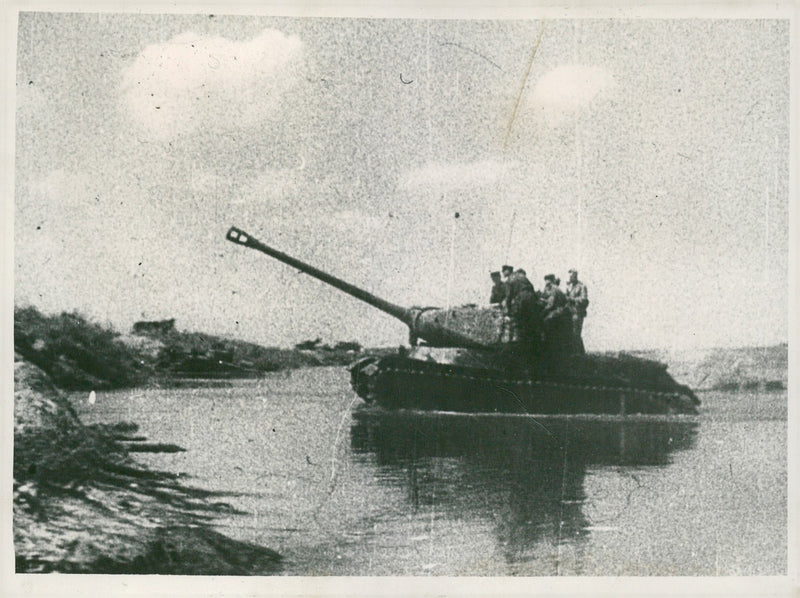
[465,359]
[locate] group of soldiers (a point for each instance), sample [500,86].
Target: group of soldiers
[549,320]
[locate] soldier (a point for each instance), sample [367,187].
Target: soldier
[557,318]
[498,289]
[554,299]
[507,272]
[578,301]
[522,307]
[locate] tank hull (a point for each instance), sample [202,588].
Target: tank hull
[592,384]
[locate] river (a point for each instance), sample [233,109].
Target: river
[342,489]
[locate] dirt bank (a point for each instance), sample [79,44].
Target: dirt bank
[79,354]
[82,505]
[740,368]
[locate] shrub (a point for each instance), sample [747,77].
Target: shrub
[78,354]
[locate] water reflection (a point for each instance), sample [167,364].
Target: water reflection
[523,475]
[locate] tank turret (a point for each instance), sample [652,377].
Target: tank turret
[467,327]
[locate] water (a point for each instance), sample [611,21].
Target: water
[341,489]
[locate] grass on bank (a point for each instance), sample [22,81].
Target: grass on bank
[82,505]
[79,354]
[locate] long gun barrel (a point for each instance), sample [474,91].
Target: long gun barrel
[401,313]
[438,327]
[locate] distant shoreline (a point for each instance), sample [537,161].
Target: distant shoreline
[728,369]
[82,355]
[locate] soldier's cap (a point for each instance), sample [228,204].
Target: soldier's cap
[550,277]
[493,274]
[573,271]
[507,268]
[521,271]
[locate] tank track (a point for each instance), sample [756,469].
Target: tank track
[398,383]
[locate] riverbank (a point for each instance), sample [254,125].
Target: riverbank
[79,354]
[728,369]
[81,504]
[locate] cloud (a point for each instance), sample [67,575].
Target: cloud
[277,187]
[204,182]
[194,82]
[567,89]
[62,186]
[80,208]
[438,177]
[60,194]
[352,222]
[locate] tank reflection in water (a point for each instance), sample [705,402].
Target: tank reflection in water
[524,473]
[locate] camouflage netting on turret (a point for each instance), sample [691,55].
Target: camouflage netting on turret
[484,326]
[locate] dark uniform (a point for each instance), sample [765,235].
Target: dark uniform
[557,320]
[523,309]
[578,301]
[499,292]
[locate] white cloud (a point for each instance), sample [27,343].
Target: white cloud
[57,180]
[81,207]
[438,177]
[275,186]
[270,197]
[567,89]
[62,189]
[208,182]
[193,82]
[354,222]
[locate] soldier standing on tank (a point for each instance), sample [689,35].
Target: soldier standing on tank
[523,309]
[578,301]
[509,331]
[508,275]
[507,271]
[557,319]
[499,290]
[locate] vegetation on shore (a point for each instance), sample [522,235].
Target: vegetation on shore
[82,505]
[82,355]
[729,369]
[77,354]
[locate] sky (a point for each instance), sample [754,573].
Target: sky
[652,155]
